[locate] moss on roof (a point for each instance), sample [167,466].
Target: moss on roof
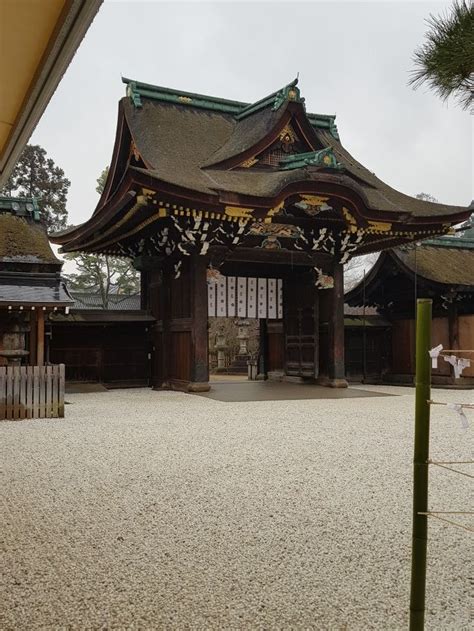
[24,241]
[440,264]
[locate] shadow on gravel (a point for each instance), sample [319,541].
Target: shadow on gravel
[281,391]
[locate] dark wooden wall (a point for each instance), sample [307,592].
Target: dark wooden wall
[276,346]
[116,354]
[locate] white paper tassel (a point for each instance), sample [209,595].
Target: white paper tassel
[434,354]
[458,363]
[457,407]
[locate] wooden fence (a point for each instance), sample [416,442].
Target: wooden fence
[31,392]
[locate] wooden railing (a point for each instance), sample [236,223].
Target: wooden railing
[31,392]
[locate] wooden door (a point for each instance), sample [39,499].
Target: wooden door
[301,323]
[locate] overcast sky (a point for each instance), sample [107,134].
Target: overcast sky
[353,60]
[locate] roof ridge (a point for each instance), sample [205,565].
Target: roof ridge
[136,89]
[238,109]
[288,93]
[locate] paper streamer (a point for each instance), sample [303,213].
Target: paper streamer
[457,407]
[458,363]
[434,354]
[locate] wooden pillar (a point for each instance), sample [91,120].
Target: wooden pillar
[164,340]
[453,329]
[144,282]
[336,330]
[453,325]
[315,291]
[32,346]
[262,369]
[199,333]
[40,337]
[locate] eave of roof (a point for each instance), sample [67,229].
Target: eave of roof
[165,148]
[440,266]
[37,77]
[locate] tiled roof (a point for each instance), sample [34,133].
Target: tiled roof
[116,302]
[19,289]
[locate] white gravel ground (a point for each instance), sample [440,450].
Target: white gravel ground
[149,510]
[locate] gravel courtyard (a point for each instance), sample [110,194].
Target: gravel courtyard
[160,510]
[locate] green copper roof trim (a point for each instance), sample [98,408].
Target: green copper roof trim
[133,93]
[324,121]
[464,241]
[20,206]
[136,91]
[324,158]
[452,243]
[289,93]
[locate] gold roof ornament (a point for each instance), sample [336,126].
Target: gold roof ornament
[238,211]
[312,204]
[287,134]
[350,219]
[249,162]
[379,226]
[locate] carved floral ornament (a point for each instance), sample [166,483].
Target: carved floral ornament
[323,281]
[312,204]
[275,230]
[213,276]
[271,243]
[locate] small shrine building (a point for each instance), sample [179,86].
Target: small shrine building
[245,210]
[31,287]
[441,269]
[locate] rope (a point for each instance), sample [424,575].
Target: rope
[448,521]
[468,406]
[451,512]
[450,461]
[468,475]
[453,350]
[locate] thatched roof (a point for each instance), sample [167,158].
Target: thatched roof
[23,240]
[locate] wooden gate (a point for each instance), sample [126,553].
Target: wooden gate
[31,392]
[301,323]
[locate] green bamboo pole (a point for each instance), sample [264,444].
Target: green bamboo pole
[420,465]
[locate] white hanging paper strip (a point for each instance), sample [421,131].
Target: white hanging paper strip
[457,407]
[222,297]
[272,298]
[262,297]
[280,298]
[463,363]
[211,299]
[231,297]
[242,297]
[252,298]
[458,363]
[434,354]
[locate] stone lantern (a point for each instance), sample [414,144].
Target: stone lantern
[12,346]
[243,336]
[220,346]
